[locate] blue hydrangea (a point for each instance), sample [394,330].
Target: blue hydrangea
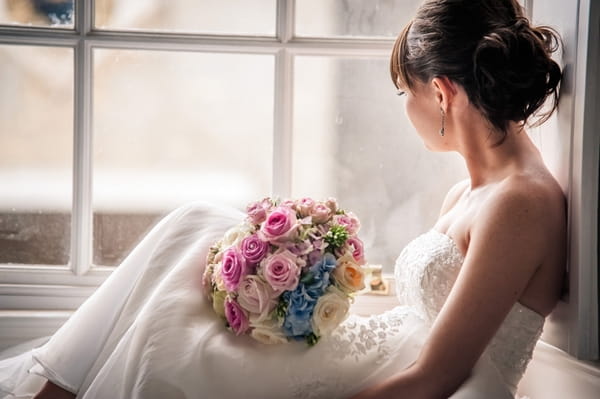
[316,280]
[299,312]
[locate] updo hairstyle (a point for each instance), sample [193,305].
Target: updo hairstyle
[488,47]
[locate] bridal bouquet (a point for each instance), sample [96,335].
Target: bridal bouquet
[288,271]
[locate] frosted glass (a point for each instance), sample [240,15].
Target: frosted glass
[44,13]
[36,132]
[173,127]
[353,141]
[231,17]
[357,18]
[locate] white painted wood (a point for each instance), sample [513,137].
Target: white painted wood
[19,326]
[554,374]
[584,295]
[569,143]
[81,216]
[50,274]
[43,297]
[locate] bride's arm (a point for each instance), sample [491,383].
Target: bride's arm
[508,241]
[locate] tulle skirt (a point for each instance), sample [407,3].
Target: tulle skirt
[149,332]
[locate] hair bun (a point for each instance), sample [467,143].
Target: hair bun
[514,73]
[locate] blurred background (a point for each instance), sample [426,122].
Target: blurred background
[172,126]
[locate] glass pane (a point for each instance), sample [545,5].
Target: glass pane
[358,18]
[54,13]
[175,127]
[231,17]
[36,132]
[350,127]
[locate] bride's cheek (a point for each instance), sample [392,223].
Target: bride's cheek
[413,114]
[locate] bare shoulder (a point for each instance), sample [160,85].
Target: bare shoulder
[528,208]
[453,195]
[534,196]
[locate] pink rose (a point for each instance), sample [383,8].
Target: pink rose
[256,296]
[254,249]
[281,270]
[288,203]
[357,249]
[349,221]
[236,317]
[281,225]
[305,206]
[300,248]
[257,212]
[320,213]
[332,204]
[233,268]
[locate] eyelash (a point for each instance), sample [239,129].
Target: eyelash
[400,93]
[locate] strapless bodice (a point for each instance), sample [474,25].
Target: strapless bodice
[425,272]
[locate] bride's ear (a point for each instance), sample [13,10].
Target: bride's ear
[444,90]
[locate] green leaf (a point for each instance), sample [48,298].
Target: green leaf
[307,278]
[312,339]
[281,310]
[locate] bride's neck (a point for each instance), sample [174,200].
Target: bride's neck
[491,158]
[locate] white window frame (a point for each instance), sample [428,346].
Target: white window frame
[49,287]
[41,297]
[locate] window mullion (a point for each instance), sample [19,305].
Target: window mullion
[283,103]
[282,124]
[285,20]
[81,227]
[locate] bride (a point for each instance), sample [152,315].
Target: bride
[474,290]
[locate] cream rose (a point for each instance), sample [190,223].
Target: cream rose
[218,302]
[348,274]
[267,331]
[235,235]
[219,283]
[331,309]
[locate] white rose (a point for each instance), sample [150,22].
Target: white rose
[331,309]
[267,331]
[236,234]
[219,302]
[218,279]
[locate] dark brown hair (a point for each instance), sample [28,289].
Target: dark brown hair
[490,49]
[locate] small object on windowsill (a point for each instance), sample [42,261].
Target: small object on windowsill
[375,283]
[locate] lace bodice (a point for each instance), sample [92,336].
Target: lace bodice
[425,272]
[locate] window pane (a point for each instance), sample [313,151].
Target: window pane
[36,132]
[360,18]
[175,127]
[54,13]
[231,17]
[353,141]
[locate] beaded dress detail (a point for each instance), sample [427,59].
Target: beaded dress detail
[425,272]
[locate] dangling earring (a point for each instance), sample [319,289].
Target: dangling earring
[442,130]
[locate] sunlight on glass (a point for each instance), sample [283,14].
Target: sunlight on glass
[43,13]
[36,132]
[353,141]
[231,17]
[170,128]
[356,18]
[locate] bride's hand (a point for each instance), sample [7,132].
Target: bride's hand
[53,391]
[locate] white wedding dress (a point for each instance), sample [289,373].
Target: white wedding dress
[149,332]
